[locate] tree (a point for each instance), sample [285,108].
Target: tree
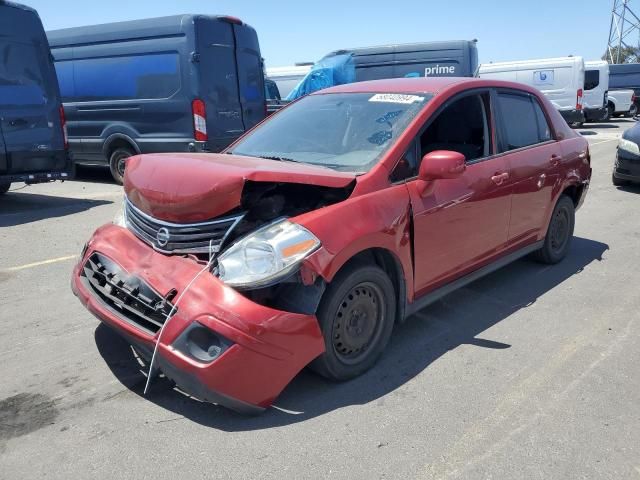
[627,55]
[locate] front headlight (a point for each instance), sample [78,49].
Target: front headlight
[266,255]
[629,146]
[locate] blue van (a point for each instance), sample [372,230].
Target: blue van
[454,58]
[32,138]
[184,83]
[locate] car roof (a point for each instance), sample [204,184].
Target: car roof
[432,85]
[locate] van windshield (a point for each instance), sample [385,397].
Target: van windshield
[344,131]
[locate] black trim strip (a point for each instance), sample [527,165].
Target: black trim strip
[438,293]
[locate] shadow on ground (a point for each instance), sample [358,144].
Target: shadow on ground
[18,208]
[93,174]
[458,319]
[630,187]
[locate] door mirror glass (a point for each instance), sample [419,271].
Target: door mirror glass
[441,164]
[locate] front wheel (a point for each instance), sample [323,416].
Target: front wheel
[4,187]
[559,234]
[117,163]
[356,316]
[617,182]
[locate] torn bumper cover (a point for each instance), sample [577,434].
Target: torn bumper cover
[218,346]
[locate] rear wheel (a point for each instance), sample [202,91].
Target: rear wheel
[356,317]
[610,111]
[117,163]
[4,187]
[633,111]
[559,234]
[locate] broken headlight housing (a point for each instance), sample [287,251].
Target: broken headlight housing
[266,255]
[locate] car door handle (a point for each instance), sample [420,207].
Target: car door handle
[498,178]
[17,121]
[555,160]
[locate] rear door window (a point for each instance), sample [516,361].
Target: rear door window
[519,121]
[23,75]
[591,79]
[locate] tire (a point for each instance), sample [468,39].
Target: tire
[610,112]
[559,234]
[617,181]
[116,163]
[4,187]
[633,111]
[356,316]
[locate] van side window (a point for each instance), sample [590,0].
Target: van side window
[461,127]
[119,78]
[544,132]
[519,121]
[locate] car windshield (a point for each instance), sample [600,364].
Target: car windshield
[343,131]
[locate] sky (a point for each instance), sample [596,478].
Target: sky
[302,31]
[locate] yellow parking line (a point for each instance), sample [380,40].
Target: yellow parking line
[38,264]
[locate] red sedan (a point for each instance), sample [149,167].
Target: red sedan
[311,237]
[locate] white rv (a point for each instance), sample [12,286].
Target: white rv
[596,87]
[561,80]
[287,78]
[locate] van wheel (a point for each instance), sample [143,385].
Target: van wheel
[610,112]
[4,187]
[559,234]
[117,163]
[356,316]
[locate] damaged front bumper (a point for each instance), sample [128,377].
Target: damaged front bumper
[218,346]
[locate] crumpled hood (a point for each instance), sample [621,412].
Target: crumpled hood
[193,187]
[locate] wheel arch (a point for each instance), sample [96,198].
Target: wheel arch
[118,140]
[392,266]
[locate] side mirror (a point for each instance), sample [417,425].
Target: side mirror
[441,164]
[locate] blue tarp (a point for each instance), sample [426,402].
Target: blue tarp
[335,70]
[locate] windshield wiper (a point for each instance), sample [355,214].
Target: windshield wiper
[279,159]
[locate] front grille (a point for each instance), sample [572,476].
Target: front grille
[130,297]
[204,237]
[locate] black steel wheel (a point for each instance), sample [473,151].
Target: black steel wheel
[559,233]
[117,163]
[356,316]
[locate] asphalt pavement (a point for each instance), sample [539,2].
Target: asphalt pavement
[530,373]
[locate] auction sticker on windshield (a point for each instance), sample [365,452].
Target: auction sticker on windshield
[395,98]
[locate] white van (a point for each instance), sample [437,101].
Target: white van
[596,87]
[561,80]
[287,78]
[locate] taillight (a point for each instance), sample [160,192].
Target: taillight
[633,98]
[579,100]
[63,125]
[199,120]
